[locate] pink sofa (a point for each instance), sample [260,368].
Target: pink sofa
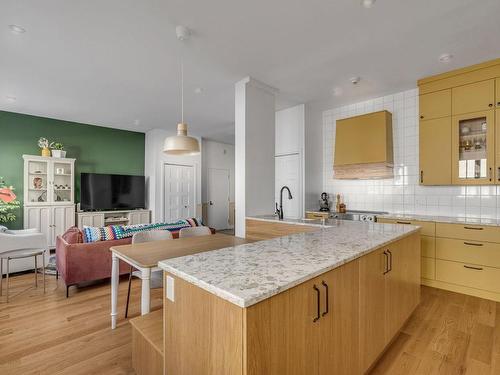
[78,262]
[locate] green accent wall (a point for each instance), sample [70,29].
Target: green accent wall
[96,149]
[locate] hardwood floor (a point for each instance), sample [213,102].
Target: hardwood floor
[449,333]
[49,334]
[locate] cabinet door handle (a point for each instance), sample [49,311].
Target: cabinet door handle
[403,222]
[498,173]
[473,228]
[490,105]
[386,269]
[318,304]
[327,302]
[390,260]
[473,268]
[421,177]
[421,116]
[473,244]
[491,173]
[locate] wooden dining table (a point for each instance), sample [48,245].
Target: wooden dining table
[145,257]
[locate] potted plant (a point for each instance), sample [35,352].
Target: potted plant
[9,205]
[58,150]
[43,143]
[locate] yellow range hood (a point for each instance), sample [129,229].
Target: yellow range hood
[363,147]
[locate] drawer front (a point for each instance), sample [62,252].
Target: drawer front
[428,227]
[428,268]
[468,232]
[475,252]
[473,276]
[428,245]
[317,215]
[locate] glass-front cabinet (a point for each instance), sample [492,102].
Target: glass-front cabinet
[48,180]
[473,148]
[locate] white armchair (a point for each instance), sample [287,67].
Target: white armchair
[21,245]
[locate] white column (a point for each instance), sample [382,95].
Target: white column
[254,150]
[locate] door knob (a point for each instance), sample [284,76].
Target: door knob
[211,203]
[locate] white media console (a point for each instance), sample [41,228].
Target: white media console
[116,217]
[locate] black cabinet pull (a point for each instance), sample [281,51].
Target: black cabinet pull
[421,177]
[421,117]
[318,305]
[327,302]
[386,270]
[403,222]
[474,268]
[390,260]
[473,228]
[490,105]
[473,244]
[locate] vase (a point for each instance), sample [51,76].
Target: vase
[45,151]
[59,153]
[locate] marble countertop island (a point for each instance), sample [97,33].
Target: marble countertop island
[250,273]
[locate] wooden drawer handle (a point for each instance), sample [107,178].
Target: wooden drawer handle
[403,222]
[474,268]
[473,228]
[473,244]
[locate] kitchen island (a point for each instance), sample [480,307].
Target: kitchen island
[327,301]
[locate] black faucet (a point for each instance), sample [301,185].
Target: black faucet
[279,210]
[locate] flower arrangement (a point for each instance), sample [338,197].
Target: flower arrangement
[56,147]
[8,202]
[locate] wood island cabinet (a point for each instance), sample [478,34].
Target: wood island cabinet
[339,322]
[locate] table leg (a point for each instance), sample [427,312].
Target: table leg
[114,289]
[146,290]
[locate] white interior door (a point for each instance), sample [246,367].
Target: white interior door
[179,192]
[218,198]
[288,173]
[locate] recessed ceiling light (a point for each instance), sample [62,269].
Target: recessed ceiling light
[337,91]
[445,57]
[368,3]
[16,29]
[355,80]
[198,90]
[10,98]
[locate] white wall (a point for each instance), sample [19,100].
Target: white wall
[254,150]
[313,154]
[216,155]
[154,160]
[289,159]
[402,194]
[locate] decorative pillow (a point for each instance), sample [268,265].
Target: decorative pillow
[3,229]
[116,232]
[73,235]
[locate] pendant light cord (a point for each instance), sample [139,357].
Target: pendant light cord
[182,90]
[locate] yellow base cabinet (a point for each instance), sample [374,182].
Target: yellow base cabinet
[320,327]
[463,258]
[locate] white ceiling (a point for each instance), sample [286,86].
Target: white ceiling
[111,62]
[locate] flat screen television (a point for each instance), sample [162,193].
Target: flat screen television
[111,192]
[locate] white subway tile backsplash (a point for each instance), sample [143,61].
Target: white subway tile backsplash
[402,194]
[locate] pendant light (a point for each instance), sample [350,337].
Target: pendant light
[181,144]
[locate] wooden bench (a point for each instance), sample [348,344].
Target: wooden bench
[147,343]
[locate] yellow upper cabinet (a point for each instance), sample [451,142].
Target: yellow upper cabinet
[435,151]
[474,97]
[435,105]
[497,95]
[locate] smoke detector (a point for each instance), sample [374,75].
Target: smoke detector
[182,32]
[355,80]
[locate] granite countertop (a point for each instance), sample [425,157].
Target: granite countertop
[443,219]
[250,273]
[308,222]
